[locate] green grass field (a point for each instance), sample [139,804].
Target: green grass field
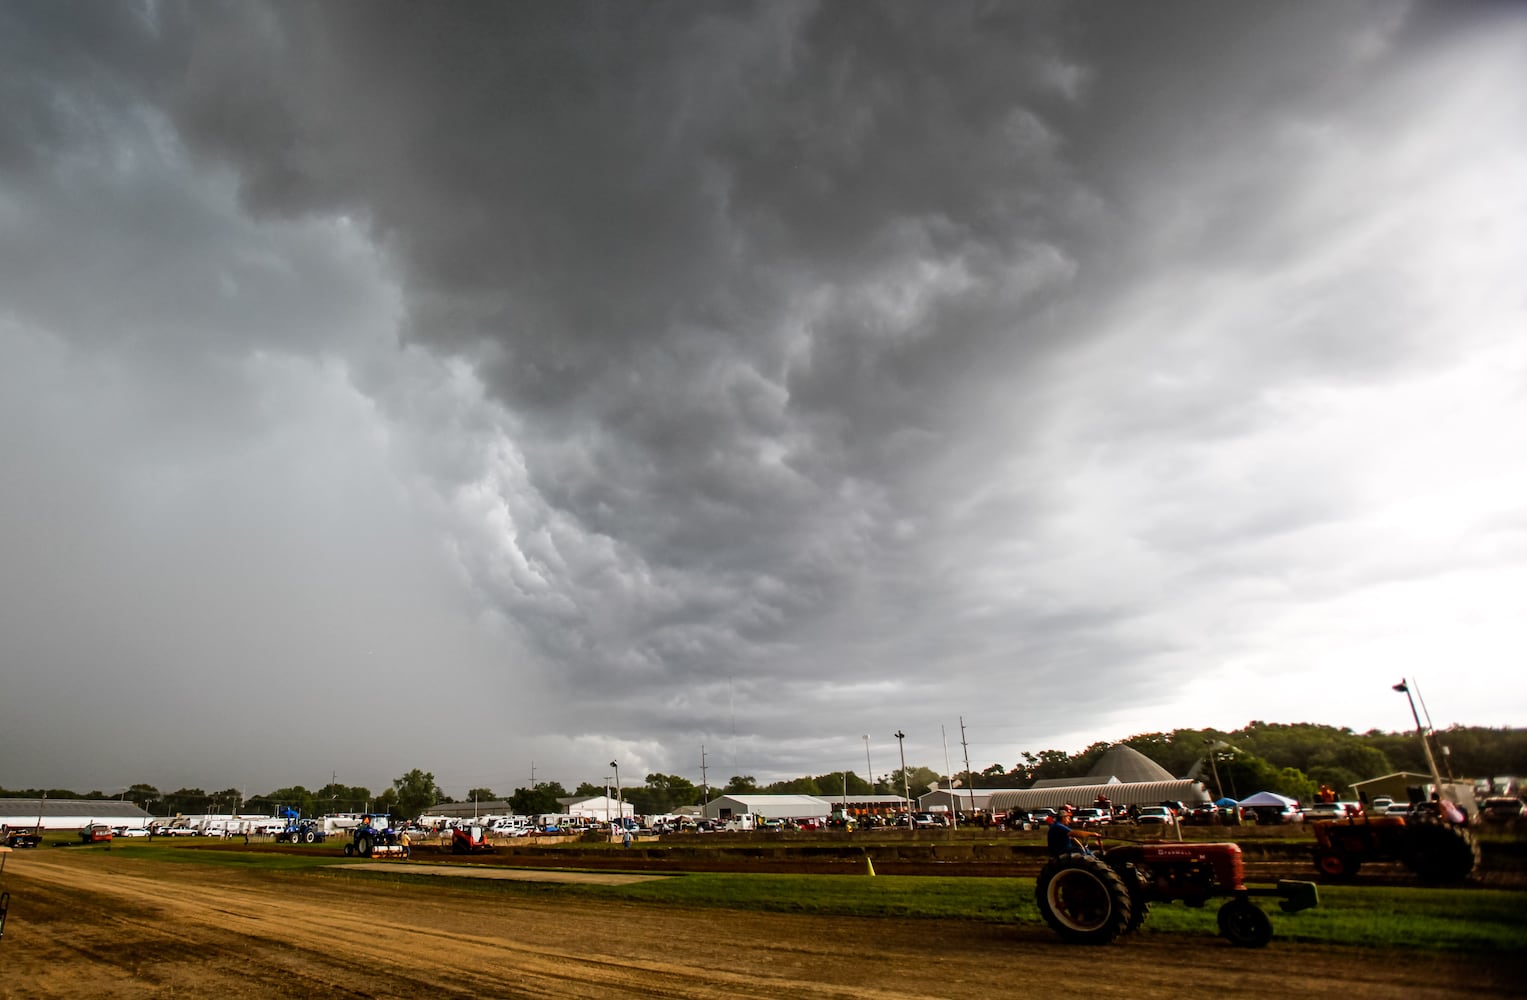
[1432,919]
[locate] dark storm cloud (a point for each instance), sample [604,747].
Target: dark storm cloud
[678,248]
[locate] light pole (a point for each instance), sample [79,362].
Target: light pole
[906,793]
[1214,746]
[1431,761]
[869,772]
[620,801]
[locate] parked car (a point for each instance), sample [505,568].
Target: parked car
[1501,809]
[1089,817]
[1331,810]
[1155,816]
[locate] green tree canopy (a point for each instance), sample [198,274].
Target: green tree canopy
[414,793]
[538,800]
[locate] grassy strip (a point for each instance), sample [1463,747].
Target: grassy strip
[1380,917]
[1484,920]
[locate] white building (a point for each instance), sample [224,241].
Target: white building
[70,814]
[597,807]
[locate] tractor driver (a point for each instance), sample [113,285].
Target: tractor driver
[1062,839]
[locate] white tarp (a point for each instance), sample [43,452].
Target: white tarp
[1266,799]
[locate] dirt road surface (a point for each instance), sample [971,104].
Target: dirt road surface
[88,924]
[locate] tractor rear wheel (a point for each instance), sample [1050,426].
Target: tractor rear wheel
[1438,852]
[363,846]
[1083,899]
[309,837]
[1244,924]
[1336,865]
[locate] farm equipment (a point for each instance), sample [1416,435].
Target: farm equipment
[1435,851]
[22,838]
[305,831]
[368,841]
[469,840]
[1092,898]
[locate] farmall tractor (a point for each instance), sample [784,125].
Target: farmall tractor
[1434,850]
[1095,898]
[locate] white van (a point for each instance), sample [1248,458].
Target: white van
[741,824]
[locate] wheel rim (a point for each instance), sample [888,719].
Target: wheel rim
[1331,864]
[1079,900]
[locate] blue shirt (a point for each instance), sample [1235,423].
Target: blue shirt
[1059,838]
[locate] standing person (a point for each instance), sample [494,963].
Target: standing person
[1062,839]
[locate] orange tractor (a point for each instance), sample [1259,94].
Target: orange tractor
[1434,850]
[1096,898]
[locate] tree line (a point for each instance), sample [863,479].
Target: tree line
[1290,759]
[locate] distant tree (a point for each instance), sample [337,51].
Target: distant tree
[296,798]
[146,796]
[795,786]
[338,798]
[538,800]
[415,792]
[742,784]
[229,800]
[187,801]
[480,795]
[661,793]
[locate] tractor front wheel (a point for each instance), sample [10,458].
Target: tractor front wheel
[1244,924]
[1083,899]
[309,837]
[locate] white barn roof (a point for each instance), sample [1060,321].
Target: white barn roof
[770,806]
[1125,763]
[1128,793]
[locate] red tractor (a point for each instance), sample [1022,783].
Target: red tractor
[1096,898]
[1434,850]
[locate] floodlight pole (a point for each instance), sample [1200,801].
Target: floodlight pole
[1214,766]
[620,801]
[906,793]
[1431,761]
[869,772]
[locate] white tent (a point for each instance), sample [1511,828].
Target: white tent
[1267,799]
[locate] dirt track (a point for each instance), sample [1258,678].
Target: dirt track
[90,924]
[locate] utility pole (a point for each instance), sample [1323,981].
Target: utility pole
[869,772]
[906,793]
[704,781]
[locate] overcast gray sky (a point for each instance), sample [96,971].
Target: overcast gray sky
[482,388]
